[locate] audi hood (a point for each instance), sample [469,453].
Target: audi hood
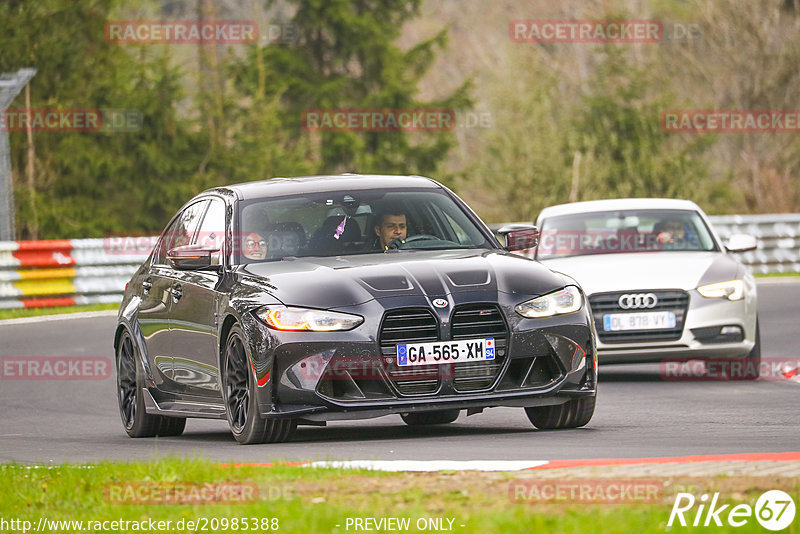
[322,282]
[600,273]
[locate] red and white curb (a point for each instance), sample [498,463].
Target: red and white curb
[432,465]
[523,465]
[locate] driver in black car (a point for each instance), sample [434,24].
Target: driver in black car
[391,229]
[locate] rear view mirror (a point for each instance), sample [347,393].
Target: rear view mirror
[191,257]
[741,243]
[520,236]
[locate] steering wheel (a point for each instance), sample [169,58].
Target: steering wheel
[422,237]
[399,243]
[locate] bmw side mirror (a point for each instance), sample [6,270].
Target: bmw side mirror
[741,243]
[191,257]
[520,236]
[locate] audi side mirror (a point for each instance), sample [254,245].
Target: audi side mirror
[520,236]
[741,243]
[191,257]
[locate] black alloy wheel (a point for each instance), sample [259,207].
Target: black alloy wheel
[239,386]
[137,422]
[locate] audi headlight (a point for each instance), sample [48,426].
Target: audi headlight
[567,300]
[732,290]
[304,319]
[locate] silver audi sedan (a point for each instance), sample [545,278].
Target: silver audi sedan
[661,284]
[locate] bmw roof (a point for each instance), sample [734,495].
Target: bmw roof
[319,184]
[619,204]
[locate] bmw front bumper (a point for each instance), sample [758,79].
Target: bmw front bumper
[349,375]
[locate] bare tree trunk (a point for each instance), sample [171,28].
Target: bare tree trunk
[210,80]
[33,225]
[576,171]
[262,72]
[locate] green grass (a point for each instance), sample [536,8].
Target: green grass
[15,313]
[775,275]
[305,500]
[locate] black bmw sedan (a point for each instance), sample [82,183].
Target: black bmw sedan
[296,301]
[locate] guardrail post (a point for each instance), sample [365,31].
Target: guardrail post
[10,86]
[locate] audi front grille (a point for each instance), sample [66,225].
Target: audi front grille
[674,300]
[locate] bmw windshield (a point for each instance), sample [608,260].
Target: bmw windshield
[623,231]
[358,222]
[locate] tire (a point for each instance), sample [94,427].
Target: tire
[239,393]
[440,417]
[751,363]
[572,414]
[130,382]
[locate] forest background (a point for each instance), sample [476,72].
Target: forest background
[536,123]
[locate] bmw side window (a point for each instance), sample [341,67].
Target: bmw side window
[211,234]
[163,244]
[181,231]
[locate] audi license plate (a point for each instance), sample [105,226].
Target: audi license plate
[638,321]
[441,352]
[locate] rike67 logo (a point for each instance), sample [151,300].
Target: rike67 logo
[774,510]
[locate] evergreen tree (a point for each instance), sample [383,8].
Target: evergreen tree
[90,183]
[346,56]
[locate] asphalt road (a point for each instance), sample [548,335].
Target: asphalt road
[638,413]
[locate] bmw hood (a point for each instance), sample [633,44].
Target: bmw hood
[647,270]
[351,280]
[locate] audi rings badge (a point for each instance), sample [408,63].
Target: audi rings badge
[636,301]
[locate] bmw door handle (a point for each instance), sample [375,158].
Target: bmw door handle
[147,285]
[177,292]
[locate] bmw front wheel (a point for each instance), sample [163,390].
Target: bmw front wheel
[239,390]
[572,414]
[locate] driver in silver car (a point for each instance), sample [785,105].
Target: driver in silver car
[672,234]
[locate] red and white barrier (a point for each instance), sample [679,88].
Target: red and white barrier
[66,272]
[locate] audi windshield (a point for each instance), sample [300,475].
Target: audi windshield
[623,231]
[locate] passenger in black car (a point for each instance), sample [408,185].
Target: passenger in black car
[255,247]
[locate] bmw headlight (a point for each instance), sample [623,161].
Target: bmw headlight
[567,300]
[304,319]
[732,290]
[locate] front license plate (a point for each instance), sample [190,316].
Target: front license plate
[441,352]
[638,321]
